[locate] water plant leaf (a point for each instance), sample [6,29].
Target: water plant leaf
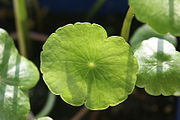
[17,74]
[14,103]
[159,67]
[145,32]
[45,118]
[161,15]
[83,66]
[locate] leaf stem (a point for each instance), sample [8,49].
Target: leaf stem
[127,24]
[97,5]
[48,106]
[21,24]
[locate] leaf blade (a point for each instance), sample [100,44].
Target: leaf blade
[85,64]
[17,75]
[164,16]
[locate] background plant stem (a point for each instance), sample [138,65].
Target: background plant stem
[48,106]
[97,5]
[21,25]
[127,24]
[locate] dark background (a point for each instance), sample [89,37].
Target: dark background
[48,15]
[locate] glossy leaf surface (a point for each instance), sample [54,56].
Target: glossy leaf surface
[145,32]
[83,66]
[159,67]
[17,75]
[162,15]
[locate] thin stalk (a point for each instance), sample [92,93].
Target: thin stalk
[39,14]
[21,24]
[127,24]
[48,106]
[35,4]
[98,4]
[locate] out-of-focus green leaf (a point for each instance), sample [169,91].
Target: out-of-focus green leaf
[161,15]
[14,104]
[45,118]
[177,93]
[159,67]
[145,32]
[17,74]
[83,66]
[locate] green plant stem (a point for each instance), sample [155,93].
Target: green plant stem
[39,12]
[98,4]
[127,24]
[21,24]
[48,106]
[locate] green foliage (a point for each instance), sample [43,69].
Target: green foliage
[83,66]
[145,32]
[177,93]
[17,75]
[159,67]
[162,15]
[14,103]
[45,118]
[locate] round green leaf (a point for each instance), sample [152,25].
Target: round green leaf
[45,118]
[145,32]
[17,74]
[14,69]
[83,66]
[14,103]
[159,67]
[162,15]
